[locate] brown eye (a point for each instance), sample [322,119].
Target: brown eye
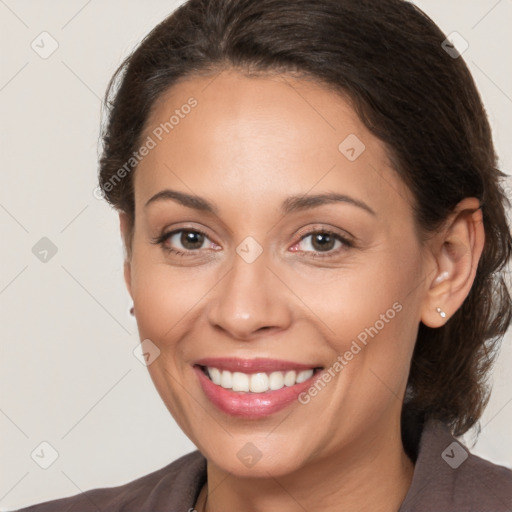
[321,242]
[191,240]
[184,242]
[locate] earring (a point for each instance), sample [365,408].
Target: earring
[132,311]
[441,277]
[441,312]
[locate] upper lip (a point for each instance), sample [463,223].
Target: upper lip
[255,365]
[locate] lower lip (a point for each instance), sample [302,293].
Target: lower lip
[251,405]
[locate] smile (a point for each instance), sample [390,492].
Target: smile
[257,382]
[253,388]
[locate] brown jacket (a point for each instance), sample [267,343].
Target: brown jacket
[446,479]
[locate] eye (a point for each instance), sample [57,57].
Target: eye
[184,242]
[188,242]
[321,241]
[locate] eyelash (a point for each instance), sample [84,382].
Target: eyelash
[161,240]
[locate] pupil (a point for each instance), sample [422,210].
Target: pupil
[323,241]
[189,238]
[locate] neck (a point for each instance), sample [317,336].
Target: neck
[373,476]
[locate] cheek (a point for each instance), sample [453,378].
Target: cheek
[165,296]
[368,315]
[359,300]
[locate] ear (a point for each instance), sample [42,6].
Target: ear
[125,227]
[456,250]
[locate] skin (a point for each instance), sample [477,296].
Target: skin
[248,144]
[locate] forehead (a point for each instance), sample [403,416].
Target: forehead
[259,137]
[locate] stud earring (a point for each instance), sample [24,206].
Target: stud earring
[132,311]
[441,277]
[441,312]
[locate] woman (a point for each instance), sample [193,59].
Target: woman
[315,237]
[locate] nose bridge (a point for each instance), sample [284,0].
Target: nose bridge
[249,297]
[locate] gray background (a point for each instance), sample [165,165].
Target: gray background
[68,373]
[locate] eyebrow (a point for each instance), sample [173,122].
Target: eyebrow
[303,202]
[291,203]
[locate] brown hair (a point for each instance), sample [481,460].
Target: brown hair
[387,57]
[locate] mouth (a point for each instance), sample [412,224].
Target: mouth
[259,382]
[253,388]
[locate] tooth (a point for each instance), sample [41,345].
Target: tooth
[226,380]
[289,378]
[276,380]
[258,382]
[215,375]
[303,375]
[240,381]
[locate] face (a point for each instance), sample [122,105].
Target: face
[284,296]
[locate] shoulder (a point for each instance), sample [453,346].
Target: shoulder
[173,487]
[448,477]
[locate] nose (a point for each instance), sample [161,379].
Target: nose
[249,301]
